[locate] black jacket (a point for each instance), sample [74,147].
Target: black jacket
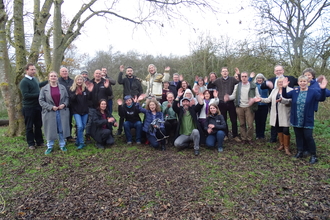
[97,124]
[218,121]
[130,114]
[79,103]
[194,111]
[133,88]
[99,92]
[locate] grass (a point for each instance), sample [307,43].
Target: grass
[138,182]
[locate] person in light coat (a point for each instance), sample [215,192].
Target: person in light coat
[54,101]
[280,114]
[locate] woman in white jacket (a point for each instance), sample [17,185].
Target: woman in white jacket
[280,114]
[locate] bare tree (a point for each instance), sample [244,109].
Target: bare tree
[290,23]
[51,40]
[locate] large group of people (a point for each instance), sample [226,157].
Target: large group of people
[174,113]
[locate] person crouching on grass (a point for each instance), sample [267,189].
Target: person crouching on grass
[156,134]
[302,113]
[215,126]
[102,123]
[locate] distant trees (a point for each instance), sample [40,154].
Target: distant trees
[299,29]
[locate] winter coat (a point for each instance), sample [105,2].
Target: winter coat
[194,110]
[283,109]
[132,89]
[129,114]
[49,115]
[79,103]
[313,96]
[154,83]
[100,92]
[97,124]
[218,121]
[149,118]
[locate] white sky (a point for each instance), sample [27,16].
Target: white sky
[99,34]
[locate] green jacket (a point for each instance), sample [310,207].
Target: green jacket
[252,94]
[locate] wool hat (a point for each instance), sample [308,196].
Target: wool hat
[127,97]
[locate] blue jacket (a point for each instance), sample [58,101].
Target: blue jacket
[315,85]
[313,96]
[149,118]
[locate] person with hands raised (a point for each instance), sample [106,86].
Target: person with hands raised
[129,111]
[302,113]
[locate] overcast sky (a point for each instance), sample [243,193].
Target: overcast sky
[99,34]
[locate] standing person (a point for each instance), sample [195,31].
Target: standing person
[262,112]
[215,127]
[165,91]
[154,81]
[173,84]
[171,121]
[302,114]
[200,84]
[207,102]
[67,82]
[104,73]
[270,84]
[188,126]
[101,125]
[280,114]
[243,92]
[129,111]
[85,75]
[79,106]
[210,85]
[30,89]
[225,85]
[131,87]
[155,131]
[54,100]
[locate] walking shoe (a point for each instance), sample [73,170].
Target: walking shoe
[299,154]
[32,147]
[118,132]
[237,139]
[81,146]
[48,151]
[41,145]
[129,143]
[196,152]
[138,143]
[163,148]
[99,146]
[64,149]
[313,159]
[220,149]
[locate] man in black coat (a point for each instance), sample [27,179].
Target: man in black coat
[131,87]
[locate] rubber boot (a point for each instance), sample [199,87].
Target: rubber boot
[281,139]
[287,144]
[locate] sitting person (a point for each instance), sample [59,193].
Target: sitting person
[130,112]
[102,123]
[215,126]
[188,94]
[154,130]
[207,102]
[171,121]
[188,126]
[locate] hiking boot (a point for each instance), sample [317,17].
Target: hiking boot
[138,143]
[196,152]
[220,149]
[129,143]
[119,132]
[48,151]
[99,146]
[32,147]
[237,139]
[163,148]
[64,149]
[299,154]
[313,159]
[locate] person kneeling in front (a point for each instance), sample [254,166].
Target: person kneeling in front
[188,126]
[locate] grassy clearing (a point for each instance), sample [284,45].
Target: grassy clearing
[137,182]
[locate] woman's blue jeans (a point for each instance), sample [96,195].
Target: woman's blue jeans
[217,137]
[81,121]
